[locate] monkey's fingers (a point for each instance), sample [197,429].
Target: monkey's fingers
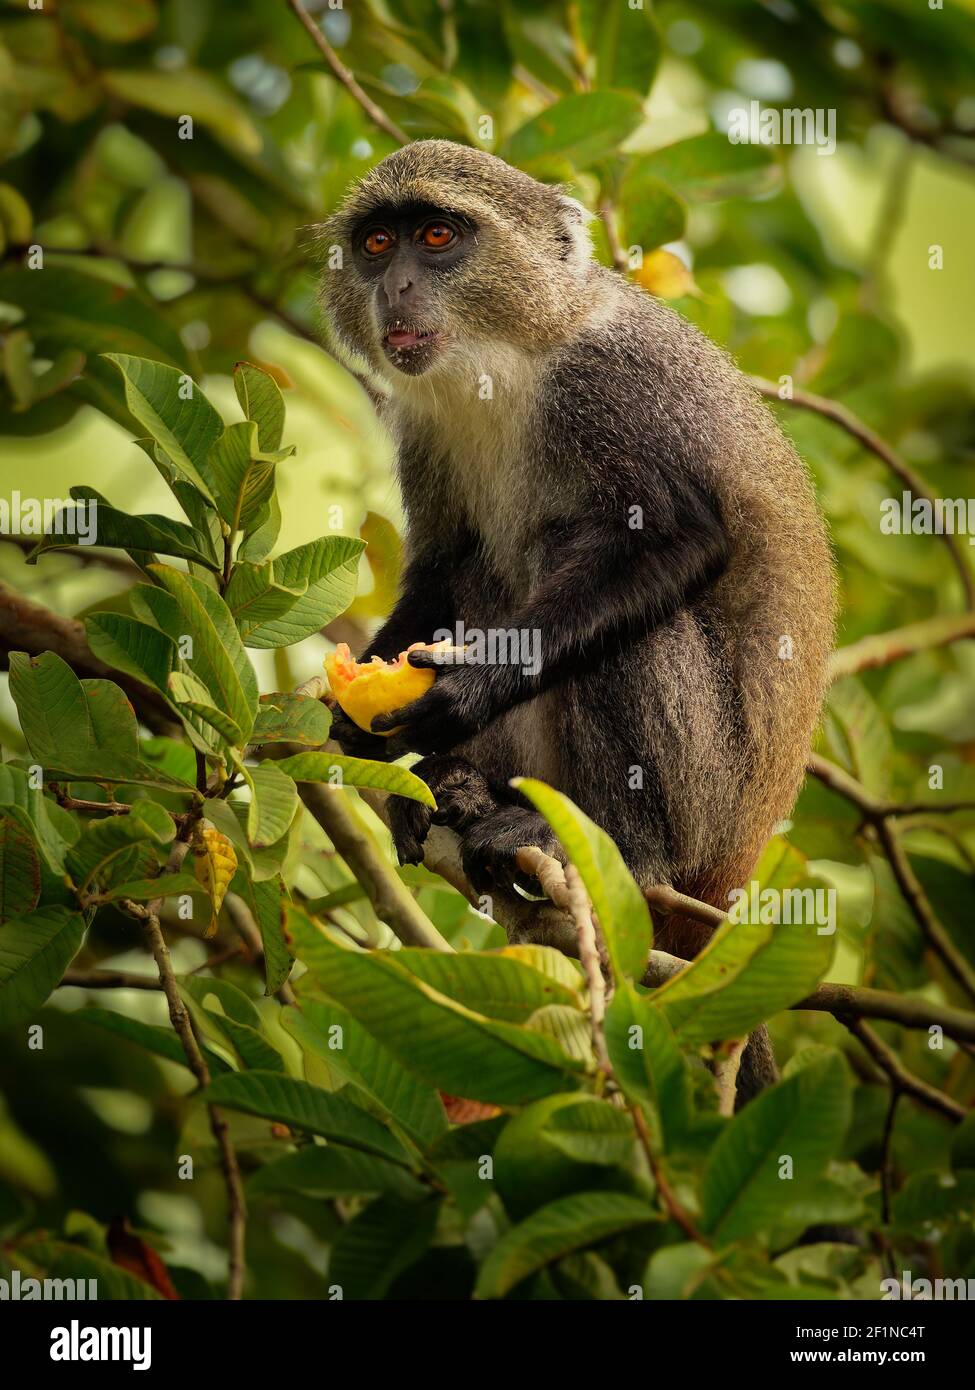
[435,661]
[406,714]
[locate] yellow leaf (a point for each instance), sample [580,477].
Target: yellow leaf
[215,863]
[666,276]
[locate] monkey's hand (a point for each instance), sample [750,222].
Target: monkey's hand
[355,742]
[462,795]
[458,706]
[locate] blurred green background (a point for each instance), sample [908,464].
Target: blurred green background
[805,265]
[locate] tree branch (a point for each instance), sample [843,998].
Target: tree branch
[880,649]
[844,417]
[375,113]
[179,1017]
[903,1081]
[30,627]
[881,815]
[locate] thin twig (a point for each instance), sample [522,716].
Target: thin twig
[392,901]
[850,1001]
[871,441]
[179,1017]
[881,816]
[30,627]
[883,648]
[901,1079]
[667,1195]
[581,911]
[608,213]
[375,113]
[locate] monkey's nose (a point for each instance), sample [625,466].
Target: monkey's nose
[397,287]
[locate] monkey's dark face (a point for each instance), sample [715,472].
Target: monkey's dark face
[408,256]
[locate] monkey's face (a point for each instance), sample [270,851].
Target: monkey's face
[441,252]
[408,258]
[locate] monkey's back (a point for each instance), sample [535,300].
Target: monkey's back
[688,744]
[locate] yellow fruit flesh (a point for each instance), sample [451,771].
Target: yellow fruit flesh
[377,686]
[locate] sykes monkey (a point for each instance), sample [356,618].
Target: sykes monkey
[579,462]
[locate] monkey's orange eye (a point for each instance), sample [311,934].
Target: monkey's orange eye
[437,235]
[378,241]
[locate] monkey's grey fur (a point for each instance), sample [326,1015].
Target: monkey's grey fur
[685,643]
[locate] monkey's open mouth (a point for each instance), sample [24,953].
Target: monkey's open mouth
[409,348]
[400,338]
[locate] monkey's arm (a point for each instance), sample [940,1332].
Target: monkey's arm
[425,605]
[612,581]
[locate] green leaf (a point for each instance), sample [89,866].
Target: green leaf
[60,1259]
[379,1244]
[710,166]
[254,598]
[617,900]
[495,985]
[118,530]
[339,771]
[191,92]
[334,1171]
[804,1119]
[859,735]
[115,850]
[274,801]
[749,970]
[50,828]
[286,718]
[161,1041]
[332,1033]
[69,309]
[20,870]
[133,647]
[117,21]
[449,1046]
[296,1103]
[192,695]
[219,659]
[648,1063]
[34,953]
[328,568]
[582,128]
[266,901]
[174,411]
[242,474]
[261,540]
[627,48]
[261,401]
[571,1223]
[63,733]
[146,889]
[652,213]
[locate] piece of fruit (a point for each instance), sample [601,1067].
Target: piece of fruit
[377,687]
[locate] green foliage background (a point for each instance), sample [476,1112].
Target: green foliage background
[184,257]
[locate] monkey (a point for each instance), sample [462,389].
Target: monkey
[579,462]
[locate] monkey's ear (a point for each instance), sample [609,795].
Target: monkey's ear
[574,237]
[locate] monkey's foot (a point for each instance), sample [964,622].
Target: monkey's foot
[489,845]
[462,796]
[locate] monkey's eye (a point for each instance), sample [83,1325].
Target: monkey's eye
[377,241]
[437,235]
